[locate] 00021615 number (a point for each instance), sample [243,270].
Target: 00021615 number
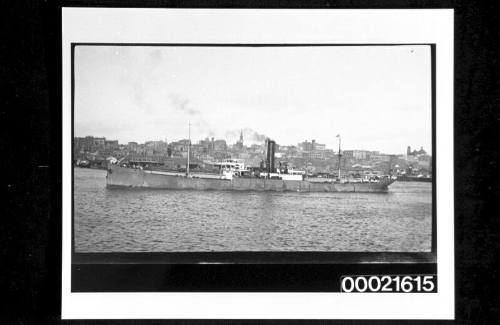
[389,283]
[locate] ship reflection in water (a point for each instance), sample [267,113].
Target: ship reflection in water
[142,220]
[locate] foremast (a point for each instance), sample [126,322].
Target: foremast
[189,149]
[339,155]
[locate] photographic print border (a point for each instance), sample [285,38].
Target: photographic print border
[103,308]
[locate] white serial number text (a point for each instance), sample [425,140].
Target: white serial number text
[389,283]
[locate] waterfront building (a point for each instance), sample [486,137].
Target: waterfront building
[157,146]
[98,141]
[179,146]
[206,144]
[132,146]
[111,145]
[220,145]
[88,144]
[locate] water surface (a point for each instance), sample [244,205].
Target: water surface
[138,220]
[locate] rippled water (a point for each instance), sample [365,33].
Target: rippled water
[133,220]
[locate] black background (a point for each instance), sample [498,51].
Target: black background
[30,231]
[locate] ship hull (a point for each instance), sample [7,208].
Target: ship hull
[136,178]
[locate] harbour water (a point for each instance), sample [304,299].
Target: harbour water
[139,220]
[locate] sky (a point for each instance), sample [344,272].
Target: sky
[375,97]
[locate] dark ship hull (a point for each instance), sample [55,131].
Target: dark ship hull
[136,178]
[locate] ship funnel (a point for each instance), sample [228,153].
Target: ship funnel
[270,161]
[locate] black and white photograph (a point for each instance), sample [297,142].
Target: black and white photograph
[250,162]
[262,165]
[241,148]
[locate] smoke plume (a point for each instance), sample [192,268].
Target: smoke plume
[182,104]
[249,135]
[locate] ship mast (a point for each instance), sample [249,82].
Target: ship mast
[189,147]
[338,136]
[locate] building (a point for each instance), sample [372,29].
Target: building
[179,146]
[220,145]
[207,145]
[311,146]
[348,153]
[288,148]
[98,142]
[78,145]
[415,152]
[132,146]
[202,156]
[157,146]
[361,154]
[111,145]
[317,154]
[305,146]
[89,144]
[319,146]
[329,153]
[239,144]
[357,154]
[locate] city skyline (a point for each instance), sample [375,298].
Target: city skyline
[229,144]
[378,98]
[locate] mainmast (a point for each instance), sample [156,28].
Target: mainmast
[189,149]
[338,136]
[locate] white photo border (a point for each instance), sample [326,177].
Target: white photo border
[338,26]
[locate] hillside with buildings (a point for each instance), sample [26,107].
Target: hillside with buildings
[311,156]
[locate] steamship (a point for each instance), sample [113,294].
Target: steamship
[233,177]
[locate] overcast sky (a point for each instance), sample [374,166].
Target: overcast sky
[375,97]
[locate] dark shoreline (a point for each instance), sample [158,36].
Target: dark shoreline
[414,179]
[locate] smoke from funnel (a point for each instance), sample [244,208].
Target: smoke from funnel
[249,135]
